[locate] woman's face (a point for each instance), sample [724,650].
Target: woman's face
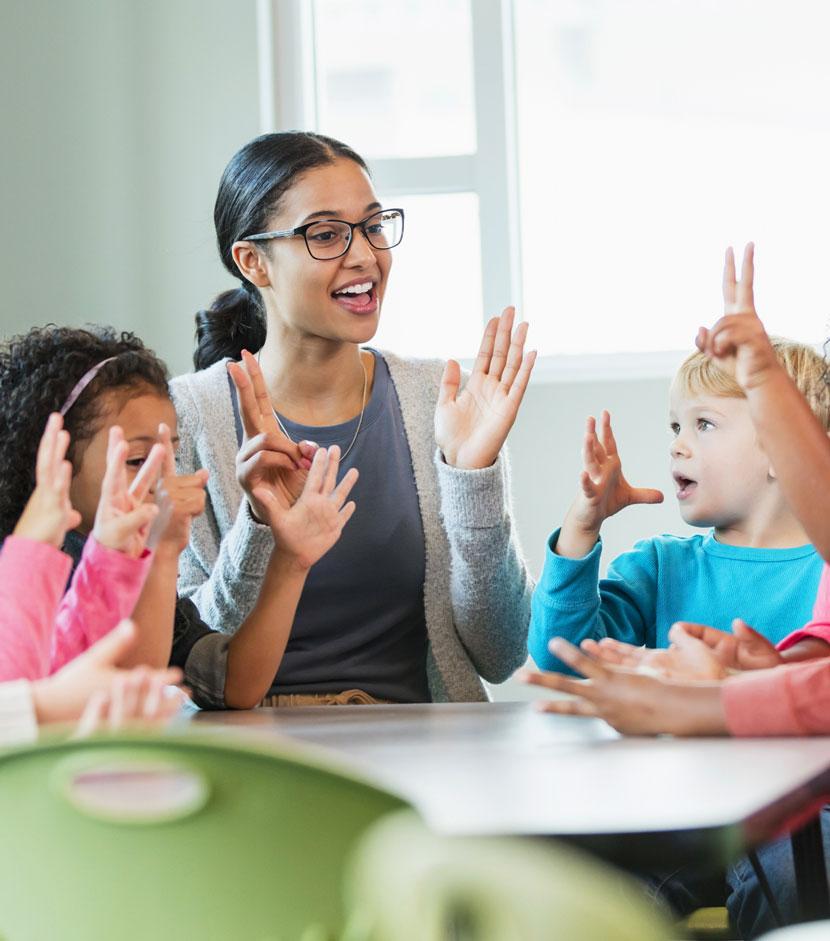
[305,294]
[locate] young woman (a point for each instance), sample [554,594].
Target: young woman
[427,591]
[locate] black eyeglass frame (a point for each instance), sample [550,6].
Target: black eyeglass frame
[303,229]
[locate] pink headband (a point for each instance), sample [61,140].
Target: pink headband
[82,383]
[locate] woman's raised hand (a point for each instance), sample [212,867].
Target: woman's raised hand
[471,425]
[268,460]
[124,516]
[306,529]
[738,342]
[49,515]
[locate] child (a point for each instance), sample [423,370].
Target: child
[39,632]
[756,560]
[32,578]
[764,699]
[100,379]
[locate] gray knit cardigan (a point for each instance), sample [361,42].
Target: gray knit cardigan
[476,586]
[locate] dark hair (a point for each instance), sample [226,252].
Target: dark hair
[250,190]
[38,371]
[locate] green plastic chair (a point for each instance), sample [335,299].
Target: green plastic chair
[405,884]
[185,837]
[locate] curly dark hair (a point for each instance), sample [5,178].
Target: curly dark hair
[38,370]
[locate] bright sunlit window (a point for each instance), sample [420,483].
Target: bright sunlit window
[588,160]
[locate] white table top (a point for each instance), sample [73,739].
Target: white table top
[504,768]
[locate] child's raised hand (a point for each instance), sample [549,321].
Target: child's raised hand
[179,498]
[49,515]
[267,458]
[306,529]
[738,342]
[603,490]
[123,518]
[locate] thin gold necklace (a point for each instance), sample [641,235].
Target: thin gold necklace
[359,421]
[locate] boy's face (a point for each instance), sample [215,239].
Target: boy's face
[720,472]
[139,413]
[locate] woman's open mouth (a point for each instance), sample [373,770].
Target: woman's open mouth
[359,297]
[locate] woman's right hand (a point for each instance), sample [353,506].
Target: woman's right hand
[268,460]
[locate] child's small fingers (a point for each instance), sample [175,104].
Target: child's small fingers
[729,286]
[555,681]
[46,448]
[150,472]
[609,442]
[168,467]
[93,714]
[573,656]
[568,707]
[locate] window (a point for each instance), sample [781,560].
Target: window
[588,160]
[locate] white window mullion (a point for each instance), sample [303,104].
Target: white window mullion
[496,164]
[287,77]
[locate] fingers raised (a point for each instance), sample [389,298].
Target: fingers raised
[149,474]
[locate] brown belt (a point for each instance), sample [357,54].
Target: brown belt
[349,697]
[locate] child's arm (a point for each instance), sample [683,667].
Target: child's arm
[115,563]
[603,491]
[571,600]
[33,570]
[303,532]
[789,432]
[180,499]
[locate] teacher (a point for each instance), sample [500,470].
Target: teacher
[426,592]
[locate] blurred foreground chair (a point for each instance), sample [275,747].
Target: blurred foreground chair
[406,884]
[176,837]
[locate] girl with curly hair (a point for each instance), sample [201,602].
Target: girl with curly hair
[97,379]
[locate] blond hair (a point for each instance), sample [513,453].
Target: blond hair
[700,375]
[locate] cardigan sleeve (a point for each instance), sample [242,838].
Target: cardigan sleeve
[490,587]
[222,575]
[793,699]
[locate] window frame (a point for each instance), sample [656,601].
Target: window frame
[288,99]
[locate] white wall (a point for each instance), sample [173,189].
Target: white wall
[117,119]
[121,117]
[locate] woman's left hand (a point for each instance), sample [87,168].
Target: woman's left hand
[471,425]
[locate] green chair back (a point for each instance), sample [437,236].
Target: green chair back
[184,837]
[405,884]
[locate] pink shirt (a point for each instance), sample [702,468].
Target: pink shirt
[793,699]
[41,629]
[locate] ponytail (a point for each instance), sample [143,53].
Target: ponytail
[234,322]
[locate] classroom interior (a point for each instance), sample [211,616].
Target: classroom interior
[586,160]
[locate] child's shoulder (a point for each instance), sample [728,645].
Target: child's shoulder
[671,544]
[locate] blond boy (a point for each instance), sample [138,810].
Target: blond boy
[755,561]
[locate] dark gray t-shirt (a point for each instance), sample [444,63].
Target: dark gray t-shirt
[360,622]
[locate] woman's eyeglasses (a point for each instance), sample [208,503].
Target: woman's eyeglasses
[331,238]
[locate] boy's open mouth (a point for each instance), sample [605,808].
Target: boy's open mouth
[358,297]
[685,486]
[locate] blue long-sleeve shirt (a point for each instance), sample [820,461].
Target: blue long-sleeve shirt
[668,579]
